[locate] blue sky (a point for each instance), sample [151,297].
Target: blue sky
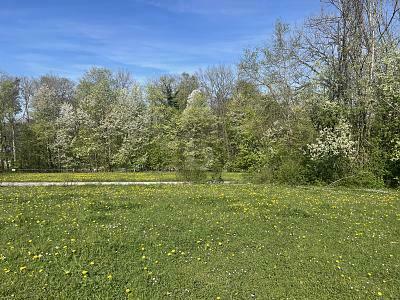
[146,37]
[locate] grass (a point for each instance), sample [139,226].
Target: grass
[102,176]
[198,242]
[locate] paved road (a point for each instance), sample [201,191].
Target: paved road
[76,183]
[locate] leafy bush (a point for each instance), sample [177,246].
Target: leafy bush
[291,172]
[364,179]
[193,175]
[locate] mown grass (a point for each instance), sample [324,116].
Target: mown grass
[103,176]
[198,242]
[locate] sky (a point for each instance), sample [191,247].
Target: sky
[145,37]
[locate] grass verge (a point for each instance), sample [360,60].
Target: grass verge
[102,176]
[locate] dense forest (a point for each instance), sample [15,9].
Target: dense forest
[318,103]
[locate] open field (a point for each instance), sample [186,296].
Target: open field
[102,176]
[198,242]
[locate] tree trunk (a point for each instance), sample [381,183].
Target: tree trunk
[13,144]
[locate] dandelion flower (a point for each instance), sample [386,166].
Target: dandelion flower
[109,277]
[84,272]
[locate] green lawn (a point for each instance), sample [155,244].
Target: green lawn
[198,242]
[102,176]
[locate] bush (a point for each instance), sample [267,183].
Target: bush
[193,175]
[365,179]
[288,171]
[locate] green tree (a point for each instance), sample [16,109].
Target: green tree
[9,108]
[199,149]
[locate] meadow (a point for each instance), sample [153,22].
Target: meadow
[104,176]
[199,242]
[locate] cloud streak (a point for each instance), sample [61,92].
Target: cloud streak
[145,37]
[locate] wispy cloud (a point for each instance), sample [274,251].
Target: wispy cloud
[205,7]
[144,36]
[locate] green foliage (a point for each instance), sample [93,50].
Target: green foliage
[192,173]
[387,122]
[198,148]
[365,179]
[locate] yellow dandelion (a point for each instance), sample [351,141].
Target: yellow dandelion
[84,272]
[380,293]
[91,263]
[109,277]
[23,268]
[6,270]
[128,291]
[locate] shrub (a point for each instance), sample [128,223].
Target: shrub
[365,179]
[192,175]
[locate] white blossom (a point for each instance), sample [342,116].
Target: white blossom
[333,142]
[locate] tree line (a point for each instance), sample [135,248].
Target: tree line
[317,103]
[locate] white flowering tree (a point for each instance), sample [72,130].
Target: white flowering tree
[131,123]
[333,151]
[396,152]
[66,127]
